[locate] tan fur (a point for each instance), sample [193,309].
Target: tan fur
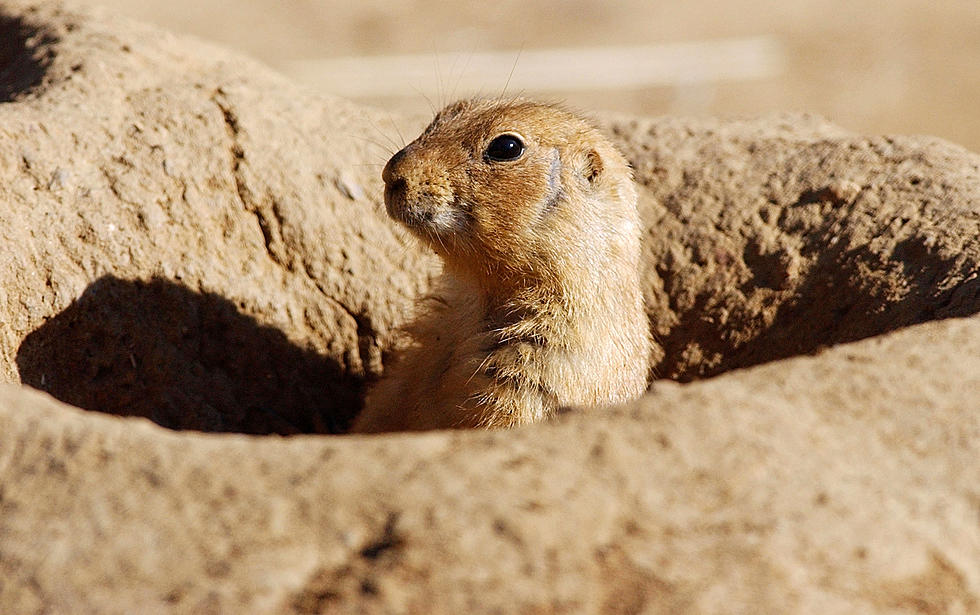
[541,302]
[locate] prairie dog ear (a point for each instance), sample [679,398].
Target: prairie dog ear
[593,166]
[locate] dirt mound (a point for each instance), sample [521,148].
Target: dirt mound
[190,238]
[777,237]
[165,207]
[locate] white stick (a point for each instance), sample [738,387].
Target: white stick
[550,70]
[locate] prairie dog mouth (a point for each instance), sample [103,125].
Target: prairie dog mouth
[424,216]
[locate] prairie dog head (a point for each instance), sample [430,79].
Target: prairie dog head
[514,188]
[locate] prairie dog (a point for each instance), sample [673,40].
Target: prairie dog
[534,215]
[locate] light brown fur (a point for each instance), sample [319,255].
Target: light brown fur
[541,302]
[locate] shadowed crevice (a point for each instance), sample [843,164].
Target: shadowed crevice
[185,360]
[845,296]
[26,51]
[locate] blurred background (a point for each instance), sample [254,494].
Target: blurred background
[895,66]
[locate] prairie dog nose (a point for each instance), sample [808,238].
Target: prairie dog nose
[395,188]
[391,173]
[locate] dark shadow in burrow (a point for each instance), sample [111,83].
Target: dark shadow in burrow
[186,360]
[25,52]
[837,302]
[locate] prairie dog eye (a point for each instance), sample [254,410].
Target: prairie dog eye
[505,147]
